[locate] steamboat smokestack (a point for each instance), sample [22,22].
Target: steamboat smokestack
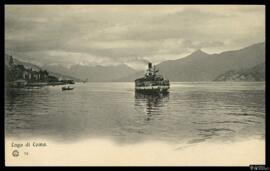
[149,65]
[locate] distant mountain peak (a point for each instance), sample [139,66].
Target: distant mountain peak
[199,52]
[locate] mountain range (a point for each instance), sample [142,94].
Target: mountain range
[256,73]
[200,66]
[94,73]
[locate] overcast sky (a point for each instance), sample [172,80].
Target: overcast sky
[111,35]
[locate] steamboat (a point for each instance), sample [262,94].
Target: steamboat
[152,82]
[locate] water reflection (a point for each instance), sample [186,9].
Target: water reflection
[23,107]
[188,113]
[153,104]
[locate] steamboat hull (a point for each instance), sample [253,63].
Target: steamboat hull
[152,89]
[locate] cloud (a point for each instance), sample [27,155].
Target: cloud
[110,35]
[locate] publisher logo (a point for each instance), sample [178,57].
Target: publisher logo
[15,153]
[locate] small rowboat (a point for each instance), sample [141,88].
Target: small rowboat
[67,88]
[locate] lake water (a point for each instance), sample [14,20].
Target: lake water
[191,113]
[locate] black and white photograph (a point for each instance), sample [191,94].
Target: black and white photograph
[134,85]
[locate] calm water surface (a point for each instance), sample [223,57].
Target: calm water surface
[191,112]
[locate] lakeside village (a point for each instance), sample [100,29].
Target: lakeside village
[18,75]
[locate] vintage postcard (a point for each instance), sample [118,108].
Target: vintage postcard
[134,85]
